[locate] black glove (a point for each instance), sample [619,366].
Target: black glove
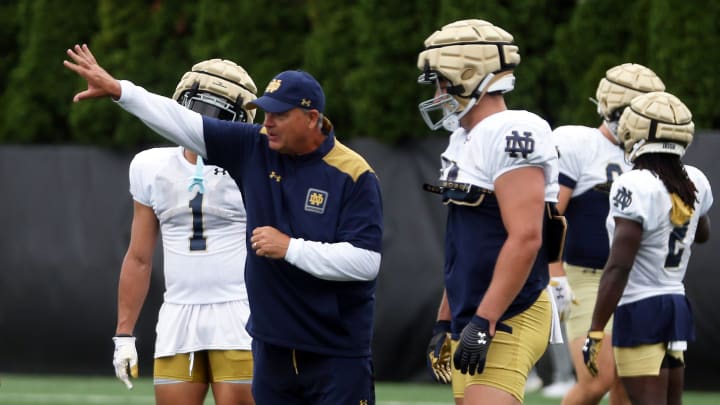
[439,353]
[474,344]
[591,351]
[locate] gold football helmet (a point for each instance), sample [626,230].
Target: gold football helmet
[656,122]
[620,85]
[471,58]
[217,88]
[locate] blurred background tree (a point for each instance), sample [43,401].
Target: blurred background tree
[364,52]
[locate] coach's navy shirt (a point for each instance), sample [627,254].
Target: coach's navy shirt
[330,195]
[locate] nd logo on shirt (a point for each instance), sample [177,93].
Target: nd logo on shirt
[523,144]
[316,200]
[623,198]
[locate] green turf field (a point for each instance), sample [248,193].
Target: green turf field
[49,390]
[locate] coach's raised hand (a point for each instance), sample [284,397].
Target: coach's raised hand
[100,83]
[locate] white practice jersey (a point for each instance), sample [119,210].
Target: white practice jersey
[661,262]
[203,235]
[589,163]
[502,142]
[587,158]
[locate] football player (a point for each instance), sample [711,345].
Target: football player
[499,180]
[590,160]
[198,210]
[657,211]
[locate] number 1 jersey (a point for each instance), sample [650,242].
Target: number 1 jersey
[203,234]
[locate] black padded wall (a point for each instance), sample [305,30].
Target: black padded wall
[66,215]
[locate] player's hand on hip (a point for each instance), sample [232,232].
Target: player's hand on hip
[591,351]
[564,296]
[269,242]
[125,359]
[100,83]
[474,344]
[439,353]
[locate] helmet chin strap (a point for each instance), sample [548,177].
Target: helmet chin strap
[612,126]
[632,154]
[452,121]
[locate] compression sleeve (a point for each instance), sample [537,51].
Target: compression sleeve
[333,261]
[164,116]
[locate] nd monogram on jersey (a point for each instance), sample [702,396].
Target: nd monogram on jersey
[203,234]
[662,259]
[502,142]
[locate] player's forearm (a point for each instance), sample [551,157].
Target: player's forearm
[333,261]
[702,233]
[133,287]
[511,271]
[164,116]
[444,312]
[612,284]
[623,251]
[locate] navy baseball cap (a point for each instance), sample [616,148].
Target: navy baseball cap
[291,89]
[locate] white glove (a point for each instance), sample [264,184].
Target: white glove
[564,297]
[125,359]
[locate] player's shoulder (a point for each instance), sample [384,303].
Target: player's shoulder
[154,157]
[642,183]
[639,193]
[638,176]
[514,138]
[702,183]
[508,125]
[154,154]
[695,173]
[577,142]
[575,133]
[519,119]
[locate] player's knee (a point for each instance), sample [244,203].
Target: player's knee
[595,387]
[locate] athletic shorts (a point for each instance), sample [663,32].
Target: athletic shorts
[584,282]
[511,356]
[643,360]
[206,366]
[294,377]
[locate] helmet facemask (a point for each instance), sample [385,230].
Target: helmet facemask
[217,88]
[612,121]
[445,109]
[211,105]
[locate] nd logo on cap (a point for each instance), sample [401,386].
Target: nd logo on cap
[291,89]
[273,85]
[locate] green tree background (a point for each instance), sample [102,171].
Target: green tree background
[364,53]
